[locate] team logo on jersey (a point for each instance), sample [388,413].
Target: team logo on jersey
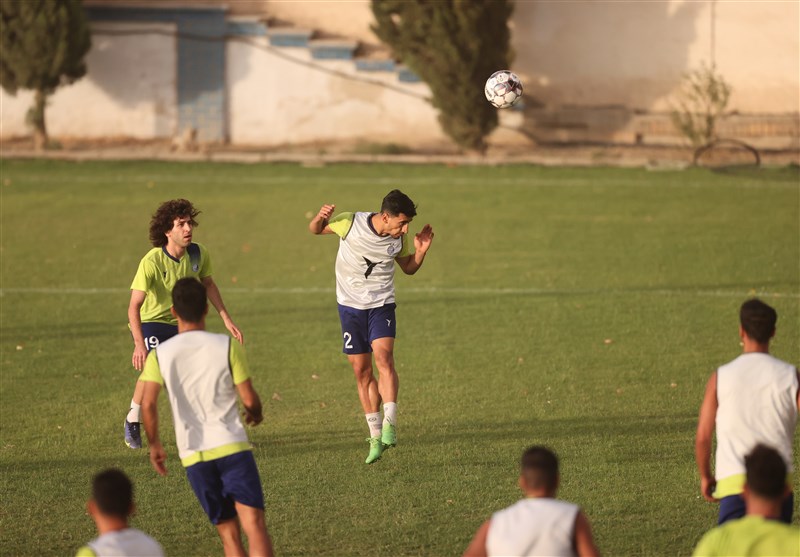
[370,266]
[195,267]
[392,249]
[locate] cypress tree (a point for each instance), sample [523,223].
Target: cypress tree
[454,46]
[42,46]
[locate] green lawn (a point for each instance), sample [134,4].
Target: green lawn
[579,308]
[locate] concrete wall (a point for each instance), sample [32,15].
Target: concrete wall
[594,70]
[350,18]
[119,97]
[275,97]
[634,54]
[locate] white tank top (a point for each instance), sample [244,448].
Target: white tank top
[536,526]
[198,378]
[757,403]
[365,265]
[129,542]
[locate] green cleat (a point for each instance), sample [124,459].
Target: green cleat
[375,449]
[388,436]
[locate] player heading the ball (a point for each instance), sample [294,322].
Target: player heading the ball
[370,243]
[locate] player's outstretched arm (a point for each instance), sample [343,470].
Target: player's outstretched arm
[251,402]
[135,320]
[422,243]
[150,418]
[215,298]
[705,433]
[477,547]
[319,224]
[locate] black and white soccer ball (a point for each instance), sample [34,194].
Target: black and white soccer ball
[503,89]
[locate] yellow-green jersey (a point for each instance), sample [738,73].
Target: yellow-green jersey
[158,272]
[753,536]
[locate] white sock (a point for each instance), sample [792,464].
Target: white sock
[374,423]
[390,413]
[134,415]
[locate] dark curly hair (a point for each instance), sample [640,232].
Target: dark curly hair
[164,219]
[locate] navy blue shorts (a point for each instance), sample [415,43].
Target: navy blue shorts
[733,507]
[361,326]
[156,333]
[218,483]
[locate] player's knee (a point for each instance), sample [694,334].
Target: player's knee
[385,362]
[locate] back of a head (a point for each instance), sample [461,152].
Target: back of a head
[396,202]
[766,473]
[112,491]
[539,468]
[189,300]
[758,320]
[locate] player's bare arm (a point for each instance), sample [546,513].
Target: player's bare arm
[135,320]
[251,402]
[215,298]
[423,239]
[705,433]
[584,542]
[158,455]
[319,224]
[477,547]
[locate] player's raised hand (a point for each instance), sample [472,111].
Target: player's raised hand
[423,238]
[158,457]
[326,212]
[318,223]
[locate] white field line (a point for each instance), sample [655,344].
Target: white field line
[434,290]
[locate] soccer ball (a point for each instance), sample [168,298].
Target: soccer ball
[503,89]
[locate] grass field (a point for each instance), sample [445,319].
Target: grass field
[579,308]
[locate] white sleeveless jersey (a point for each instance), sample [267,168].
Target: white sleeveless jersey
[129,542]
[196,367]
[757,403]
[365,262]
[536,526]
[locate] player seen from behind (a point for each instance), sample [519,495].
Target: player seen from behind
[110,506]
[750,400]
[203,373]
[760,533]
[539,524]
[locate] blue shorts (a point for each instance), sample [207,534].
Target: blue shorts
[218,483]
[156,333]
[732,507]
[361,326]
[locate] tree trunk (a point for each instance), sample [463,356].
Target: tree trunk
[36,119]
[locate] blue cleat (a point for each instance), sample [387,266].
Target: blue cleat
[133,435]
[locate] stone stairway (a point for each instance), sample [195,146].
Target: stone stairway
[366,58]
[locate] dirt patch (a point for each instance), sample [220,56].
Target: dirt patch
[553,154]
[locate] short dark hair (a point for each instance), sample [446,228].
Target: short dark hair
[189,299]
[164,219]
[396,202]
[112,491]
[758,320]
[766,472]
[539,467]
